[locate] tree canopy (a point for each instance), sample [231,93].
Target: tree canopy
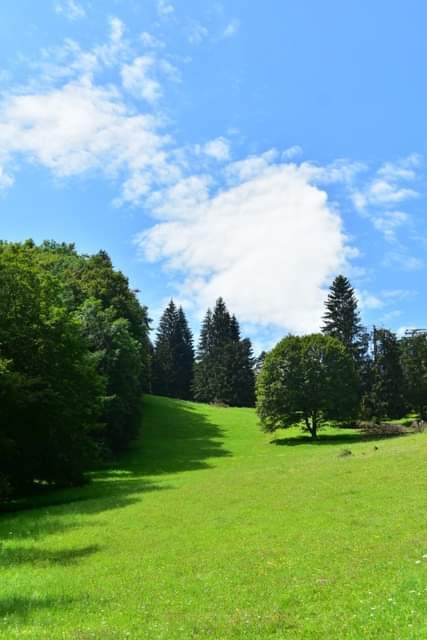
[309,379]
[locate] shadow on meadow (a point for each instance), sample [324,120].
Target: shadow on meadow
[174,437]
[332,439]
[23,607]
[44,557]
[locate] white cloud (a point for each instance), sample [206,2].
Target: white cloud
[165,8]
[136,78]
[267,243]
[389,222]
[94,130]
[231,29]
[218,149]
[71,9]
[197,34]
[386,188]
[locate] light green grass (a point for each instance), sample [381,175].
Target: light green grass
[208,530]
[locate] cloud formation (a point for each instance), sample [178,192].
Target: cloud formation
[268,243]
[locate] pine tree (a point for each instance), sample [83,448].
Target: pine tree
[173,357]
[386,398]
[342,320]
[224,368]
[184,357]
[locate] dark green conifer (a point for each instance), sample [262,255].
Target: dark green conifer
[173,357]
[224,368]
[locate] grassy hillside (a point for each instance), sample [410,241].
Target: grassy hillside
[208,530]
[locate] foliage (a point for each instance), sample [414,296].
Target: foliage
[224,371]
[342,320]
[173,358]
[310,379]
[414,366]
[386,398]
[50,392]
[74,358]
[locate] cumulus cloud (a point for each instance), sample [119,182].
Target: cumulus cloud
[268,244]
[71,9]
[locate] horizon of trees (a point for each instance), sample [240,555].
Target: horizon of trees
[388,375]
[76,357]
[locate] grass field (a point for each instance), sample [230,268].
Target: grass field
[209,530]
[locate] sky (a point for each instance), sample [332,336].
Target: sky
[239,149]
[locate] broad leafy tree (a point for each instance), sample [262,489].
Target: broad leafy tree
[309,379]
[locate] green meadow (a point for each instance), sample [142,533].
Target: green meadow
[209,528]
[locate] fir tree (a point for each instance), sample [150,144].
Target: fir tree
[386,398]
[184,357]
[224,368]
[173,357]
[341,319]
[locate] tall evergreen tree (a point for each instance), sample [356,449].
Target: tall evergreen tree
[341,319]
[173,357]
[386,397]
[414,364]
[224,369]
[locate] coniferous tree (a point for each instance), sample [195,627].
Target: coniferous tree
[224,370]
[414,365]
[386,397]
[342,320]
[173,357]
[184,357]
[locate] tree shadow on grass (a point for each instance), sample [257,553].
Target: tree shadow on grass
[22,607]
[175,436]
[44,557]
[331,439]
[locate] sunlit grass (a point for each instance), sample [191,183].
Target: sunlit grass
[209,530]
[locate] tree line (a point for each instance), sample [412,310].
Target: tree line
[74,360]
[343,373]
[76,357]
[221,370]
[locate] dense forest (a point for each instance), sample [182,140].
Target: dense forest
[76,357]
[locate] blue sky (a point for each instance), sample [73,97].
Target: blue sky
[250,150]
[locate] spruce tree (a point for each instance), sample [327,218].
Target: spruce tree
[342,321]
[173,356]
[224,367]
[386,398]
[183,357]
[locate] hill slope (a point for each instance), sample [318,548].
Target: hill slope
[208,530]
